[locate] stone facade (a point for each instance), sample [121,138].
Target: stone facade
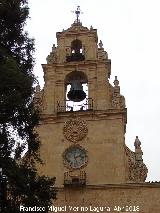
[85,148]
[143,198]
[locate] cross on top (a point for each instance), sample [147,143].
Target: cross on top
[78,12]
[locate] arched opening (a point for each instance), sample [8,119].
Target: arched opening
[76,84]
[76,51]
[76,47]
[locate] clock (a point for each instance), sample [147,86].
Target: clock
[75,157]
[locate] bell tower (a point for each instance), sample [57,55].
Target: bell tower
[83,116]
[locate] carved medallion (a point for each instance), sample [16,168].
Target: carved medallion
[75,130]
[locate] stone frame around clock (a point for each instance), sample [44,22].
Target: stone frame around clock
[70,167]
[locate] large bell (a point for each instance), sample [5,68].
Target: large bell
[76,92]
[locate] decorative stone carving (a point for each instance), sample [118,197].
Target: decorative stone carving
[137,170]
[51,58]
[75,129]
[37,100]
[75,177]
[138,151]
[102,55]
[100,44]
[118,100]
[137,143]
[91,27]
[77,26]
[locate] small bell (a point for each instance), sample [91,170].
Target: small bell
[76,92]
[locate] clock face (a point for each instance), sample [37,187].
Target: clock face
[75,157]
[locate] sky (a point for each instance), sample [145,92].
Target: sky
[130,32]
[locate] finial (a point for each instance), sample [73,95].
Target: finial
[91,27]
[116,82]
[53,48]
[137,143]
[100,44]
[78,12]
[138,151]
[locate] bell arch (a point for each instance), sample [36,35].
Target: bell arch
[77,51]
[76,46]
[76,91]
[76,75]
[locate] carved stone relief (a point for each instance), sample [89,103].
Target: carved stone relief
[118,100]
[137,170]
[75,130]
[52,57]
[37,100]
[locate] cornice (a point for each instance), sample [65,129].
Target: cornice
[118,186]
[93,114]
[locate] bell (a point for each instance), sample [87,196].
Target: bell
[76,92]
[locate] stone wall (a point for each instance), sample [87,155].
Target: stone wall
[143,198]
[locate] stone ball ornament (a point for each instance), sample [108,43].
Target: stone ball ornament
[75,130]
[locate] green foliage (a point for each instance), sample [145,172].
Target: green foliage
[17,114]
